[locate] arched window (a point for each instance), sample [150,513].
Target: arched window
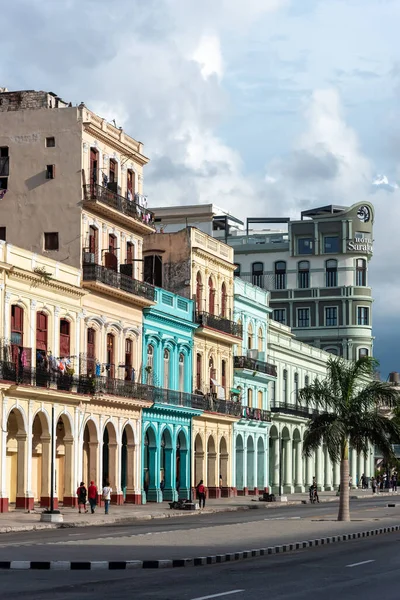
[211,296]
[331,273]
[110,257]
[198,371]
[149,364]
[213,374]
[113,172]
[223,374]
[65,338]
[257,270]
[91,351]
[250,337]
[41,333]
[303,275]
[260,399]
[224,300]
[363,352]
[93,243]
[17,325]
[250,398]
[361,272]
[296,387]
[130,253]
[166,368]
[129,372]
[284,386]
[181,372]
[199,287]
[280,275]
[260,340]
[110,355]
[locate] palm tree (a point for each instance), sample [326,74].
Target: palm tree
[348,402]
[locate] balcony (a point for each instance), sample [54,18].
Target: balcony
[118,281]
[243,362]
[256,414]
[223,407]
[104,199]
[294,409]
[205,319]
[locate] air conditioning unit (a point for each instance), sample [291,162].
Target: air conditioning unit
[88,258]
[253,353]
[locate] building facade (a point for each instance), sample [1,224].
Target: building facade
[252,375]
[168,329]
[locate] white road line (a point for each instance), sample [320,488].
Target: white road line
[218,595]
[364,562]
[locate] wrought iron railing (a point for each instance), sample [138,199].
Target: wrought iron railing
[256,414]
[95,192]
[118,280]
[294,409]
[243,362]
[225,407]
[220,323]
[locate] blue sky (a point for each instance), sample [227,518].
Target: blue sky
[265,106]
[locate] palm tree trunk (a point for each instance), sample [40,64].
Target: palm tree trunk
[344,501]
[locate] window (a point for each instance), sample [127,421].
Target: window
[150,358]
[211,297]
[260,340]
[306,381]
[51,241]
[280,315]
[284,386]
[17,325]
[50,171]
[4,167]
[198,372]
[181,372]
[198,292]
[166,369]
[280,275]
[113,171]
[3,234]
[272,392]
[362,315]
[363,235]
[93,236]
[331,316]
[130,253]
[94,166]
[65,338]
[50,142]
[331,244]
[257,270]
[363,352]
[223,374]
[91,351]
[296,386]
[303,274]
[304,246]
[130,184]
[129,371]
[303,317]
[41,333]
[331,273]
[237,270]
[250,336]
[250,398]
[260,399]
[224,300]
[3,185]
[153,270]
[361,272]
[110,355]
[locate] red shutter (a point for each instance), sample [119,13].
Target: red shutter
[65,340]
[129,253]
[41,331]
[91,350]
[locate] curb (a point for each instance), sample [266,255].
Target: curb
[199,561]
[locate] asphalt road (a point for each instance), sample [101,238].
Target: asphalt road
[365,569]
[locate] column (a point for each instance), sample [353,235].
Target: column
[45,460]
[336,475]
[115,477]
[328,472]
[353,468]
[170,493]
[184,491]
[266,464]
[24,485]
[56,337]
[69,495]
[255,468]
[4,497]
[288,475]
[7,315]
[299,467]
[360,469]
[245,479]
[32,331]
[310,462]
[319,469]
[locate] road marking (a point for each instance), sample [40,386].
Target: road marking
[281,518]
[218,595]
[364,562]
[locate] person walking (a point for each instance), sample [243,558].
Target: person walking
[394,482]
[81,492]
[92,496]
[201,493]
[373,485]
[107,497]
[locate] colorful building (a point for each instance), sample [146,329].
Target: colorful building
[252,374]
[168,328]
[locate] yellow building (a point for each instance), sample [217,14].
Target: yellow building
[195,265]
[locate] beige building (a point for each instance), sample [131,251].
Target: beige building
[196,266]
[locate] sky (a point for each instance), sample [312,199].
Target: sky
[263,107]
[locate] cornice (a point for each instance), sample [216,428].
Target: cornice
[117,145]
[17,273]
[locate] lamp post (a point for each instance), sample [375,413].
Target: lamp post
[280,465]
[51,515]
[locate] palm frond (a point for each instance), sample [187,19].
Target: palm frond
[375,394]
[374,428]
[326,429]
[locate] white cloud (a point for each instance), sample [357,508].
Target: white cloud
[208,55]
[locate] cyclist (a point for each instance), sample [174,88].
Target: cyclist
[314,491]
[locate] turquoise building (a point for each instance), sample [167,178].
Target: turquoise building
[166,427]
[252,375]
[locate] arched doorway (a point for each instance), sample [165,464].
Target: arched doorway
[261,480]
[89,454]
[64,466]
[287,461]
[182,466]
[167,466]
[211,467]
[198,460]
[250,464]
[239,455]
[223,467]
[15,461]
[41,459]
[151,468]
[110,458]
[128,449]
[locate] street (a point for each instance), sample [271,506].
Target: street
[357,569]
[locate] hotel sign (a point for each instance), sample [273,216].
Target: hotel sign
[360,245]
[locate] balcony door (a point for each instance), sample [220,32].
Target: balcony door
[110,355]
[65,338]
[211,297]
[91,351]
[41,337]
[110,257]
[128,360]
[94,165]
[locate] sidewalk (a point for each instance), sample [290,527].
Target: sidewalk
[17,520]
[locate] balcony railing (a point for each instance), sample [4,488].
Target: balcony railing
[242,362]
[256,414]
[220,323]
[95,192]
[118,281]
[294,409]
[224,407]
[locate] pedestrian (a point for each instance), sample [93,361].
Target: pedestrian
[220,482]
[107,496]
[362,479]
[92,496]
[201,493]
[162,487]
[373,485]
[81,492]
[394,481]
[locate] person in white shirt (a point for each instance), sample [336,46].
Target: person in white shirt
[107,497]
